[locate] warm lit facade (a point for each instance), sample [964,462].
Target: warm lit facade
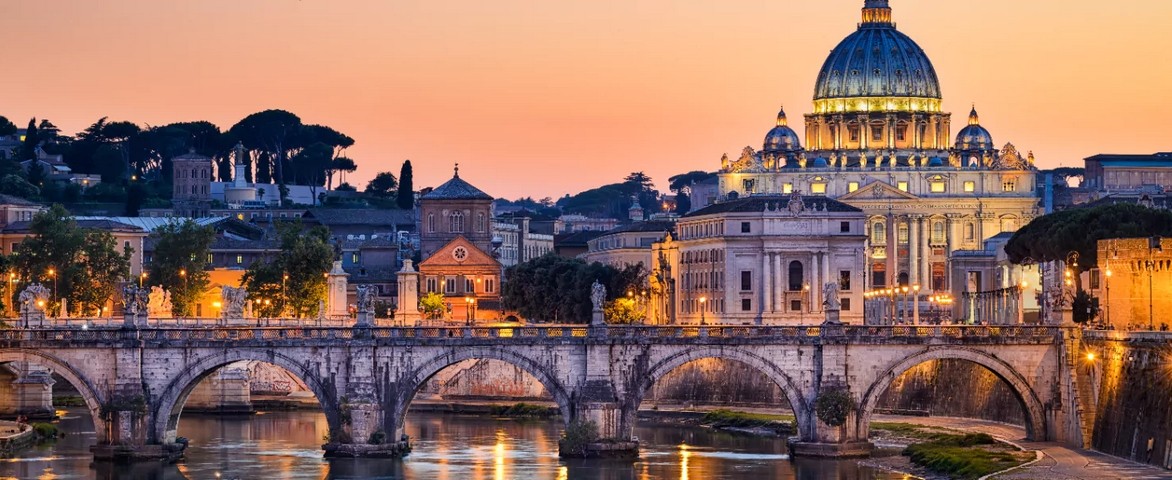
[762,260]
[191,194]
[627,245]
[878,140]
[1133,283]
[1129,174]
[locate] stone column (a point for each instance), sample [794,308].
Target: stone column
[778,282]
[766,293]
[950,230]
[913,245]
[29,394]
[925,253]
[596,402]
[407,310]
[892,251]
[336,283]
[820,439]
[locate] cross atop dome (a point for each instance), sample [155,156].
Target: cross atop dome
[973,118]
[457,169]
[876,12]
[781,121]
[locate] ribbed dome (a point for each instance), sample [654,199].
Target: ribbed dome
[877,61]
[782,138]
[974,136]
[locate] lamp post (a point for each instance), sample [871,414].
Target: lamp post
[284,293]
[468,311]
[1154,245]
[805,303]
[903,300]
[183,275]
[53,275]
[703,303]
[141,278]
[1021,301]
[916,304]
[890,306]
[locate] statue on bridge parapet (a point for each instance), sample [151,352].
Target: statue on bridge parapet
[597,298]
[233,299]
[33,301]
[159,302]
[365,304]
[831,303]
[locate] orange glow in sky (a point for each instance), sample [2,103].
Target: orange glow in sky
[543,98]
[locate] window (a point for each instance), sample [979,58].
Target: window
[431,284]
[938,275]
[1008,186]
[846,304]
[900,133]
[469,285]
[877,134]
[1095,279]
[879,233]
[456,222]
[1008,224]
[239,259]
[852,186]
[479,222]
[746,227]
[746,305]
[818,188]
[938,186]
[489,286]
[795,305]
[787,188]
[354,258]
[450,285]
[844,227]
[878,275]
[854,132]
[901,233]
[969,232]
[748,185]
[844,280]
[746,280]
[211,258]
[797,276]
[431,223]
[901,185]
[970,186]
[938,233]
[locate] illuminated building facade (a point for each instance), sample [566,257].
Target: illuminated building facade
[878,139]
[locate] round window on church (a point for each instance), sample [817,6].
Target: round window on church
[460,254]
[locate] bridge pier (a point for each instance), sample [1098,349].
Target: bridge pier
[126,439]
[29,394]
[596,402]
[832,393]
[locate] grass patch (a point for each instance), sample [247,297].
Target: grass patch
[46,431]
[522,410]
[782,424]
[966,456]
[68,401]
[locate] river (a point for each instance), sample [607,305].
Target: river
[446,447]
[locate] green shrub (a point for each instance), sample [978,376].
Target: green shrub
[46,430]
[833,406]
[68,401]
[521,410]
[782,424]
[577,436]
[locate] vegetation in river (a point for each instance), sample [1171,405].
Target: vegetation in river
[781,424]
[577,437]
[523,410]
[68,401]
[965,456]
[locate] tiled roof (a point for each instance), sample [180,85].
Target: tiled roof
[103,224]
[759,203]
[149,224]
[457,189]
[361,216]
[577,238]
[11,200]
[648,226]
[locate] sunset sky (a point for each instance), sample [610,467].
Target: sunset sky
[542,98]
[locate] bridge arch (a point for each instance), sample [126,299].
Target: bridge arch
[170,402]
[419,376]
[788,387]
[1021,388]
[93,401]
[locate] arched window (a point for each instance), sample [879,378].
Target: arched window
[796,276]
[938,232]
[431,223]
[969,232]
[479,222]
[879,233]
[456,222]
[1008,224]
[902,279]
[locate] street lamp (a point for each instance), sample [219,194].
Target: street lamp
[284,293]
[1153,246]
[1107,307]
[903,300]
[53,275]
[703,301]
[468,301]
[1021,301]
[142,278]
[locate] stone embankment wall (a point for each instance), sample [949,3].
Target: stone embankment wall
[953,388]
[1133,415]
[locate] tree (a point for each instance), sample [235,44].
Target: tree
[383,185]
[405,197]
[6,127]
[28,147]
[294,283]
[432,305]
[346,187]
[1051,237]
[18,187]
[273,132]
[339,165]
[557,289]
[683,203]
[180,261]
[86,264]
[624,311]
[685,180]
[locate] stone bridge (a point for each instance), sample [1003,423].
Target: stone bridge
[135,381]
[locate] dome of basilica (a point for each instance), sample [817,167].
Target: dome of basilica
[878,62]
[782,138]
[974,137]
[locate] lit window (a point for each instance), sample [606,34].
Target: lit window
[970,186]
[938,187]
[353,258]
[901,233]
[450,285]
[818,188]
[1008,186]
[239,259]
[787,188]
[902,186]
[852,186]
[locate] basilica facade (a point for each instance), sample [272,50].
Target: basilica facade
[878,139]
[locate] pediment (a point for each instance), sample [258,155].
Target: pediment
[877,190]
[461,252]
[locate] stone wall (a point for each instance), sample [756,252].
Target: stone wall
[1133,417]
[483,379]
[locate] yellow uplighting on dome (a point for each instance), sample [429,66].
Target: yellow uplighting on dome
[877,104]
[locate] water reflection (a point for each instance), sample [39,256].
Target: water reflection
[288,445]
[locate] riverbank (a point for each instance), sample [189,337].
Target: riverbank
[15,437]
